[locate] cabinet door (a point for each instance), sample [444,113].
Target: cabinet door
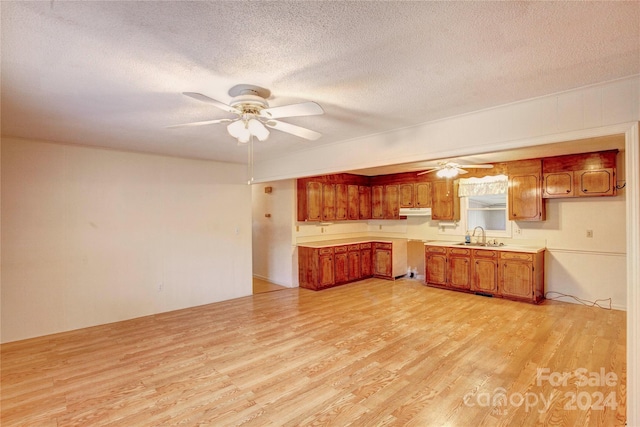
[391,202]
[382,262]
[366,265]
[364,211]
[436,269]
[442,207]
[406,196]
[328,202]
[485,276]
[459,272]
[525,198]
[352,201]
[595,182]
[354,264]
[558,184]
[341,202]
[326,271]
[314,201]
[422,192]
[377,198]
[341,265]
[516,279]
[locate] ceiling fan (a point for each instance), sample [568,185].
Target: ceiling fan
[254,116]
[447,169]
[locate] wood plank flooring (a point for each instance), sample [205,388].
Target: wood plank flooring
[260,286]
[374,352]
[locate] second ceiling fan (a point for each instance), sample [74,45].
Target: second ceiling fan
[446,169]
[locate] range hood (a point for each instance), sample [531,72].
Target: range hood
[415,211]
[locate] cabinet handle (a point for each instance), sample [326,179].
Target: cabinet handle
[568,191]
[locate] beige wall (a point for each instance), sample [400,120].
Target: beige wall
[93,236]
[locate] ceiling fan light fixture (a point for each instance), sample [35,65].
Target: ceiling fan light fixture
[258,130]
[447,173]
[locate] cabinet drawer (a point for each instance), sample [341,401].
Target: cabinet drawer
[459,251]
[354,247]
[383,245]
[481,253]
[517,256]
[436,249]
[340,249]
[365,245]
[326,251]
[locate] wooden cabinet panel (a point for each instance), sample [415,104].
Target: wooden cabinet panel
[353,202]
[407,195]
[459,271]
[341,202]
[558,184]
[422,193]
[341,265]
[591,183]
[366,262]
[391,202]
[354,263]
[314,201]
[516,279]
[364,193]
[326,272]
[444,205]
[377,202]
[328,202]
[436,268]
[382,261]
[525,191]
[485,275]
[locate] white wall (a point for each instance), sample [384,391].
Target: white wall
[93,236]
[274,254]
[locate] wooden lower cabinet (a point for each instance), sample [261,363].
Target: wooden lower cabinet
[320,268]
[485,271]
[459,265]
[521,276]
[506,274]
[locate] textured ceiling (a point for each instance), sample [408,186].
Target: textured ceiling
[111,74]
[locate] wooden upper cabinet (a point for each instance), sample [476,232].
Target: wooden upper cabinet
[601,182]
[353,202]
[314,201]
[407,195]
[391,202]
[364,202]
[525,191]
[580,175]
[328,202]
[422,195]
[558,184]
[377,199]
[342,201]
[445,204]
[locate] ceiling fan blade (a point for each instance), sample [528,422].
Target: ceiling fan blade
[206,122]
[428,171]
[220,105]
[294,110]
[462,171]
[294,130]
[476,166]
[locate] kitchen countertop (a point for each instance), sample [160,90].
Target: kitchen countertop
[349,241]
[505,248]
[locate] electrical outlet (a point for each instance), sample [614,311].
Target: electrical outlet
[380,227]
[518,230]
[590,233]
[160,286]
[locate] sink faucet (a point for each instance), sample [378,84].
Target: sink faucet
[484,236]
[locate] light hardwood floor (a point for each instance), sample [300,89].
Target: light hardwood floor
[260,286]
[375,352]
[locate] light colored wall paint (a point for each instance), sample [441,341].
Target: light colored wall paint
[274,256]
[93,236]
